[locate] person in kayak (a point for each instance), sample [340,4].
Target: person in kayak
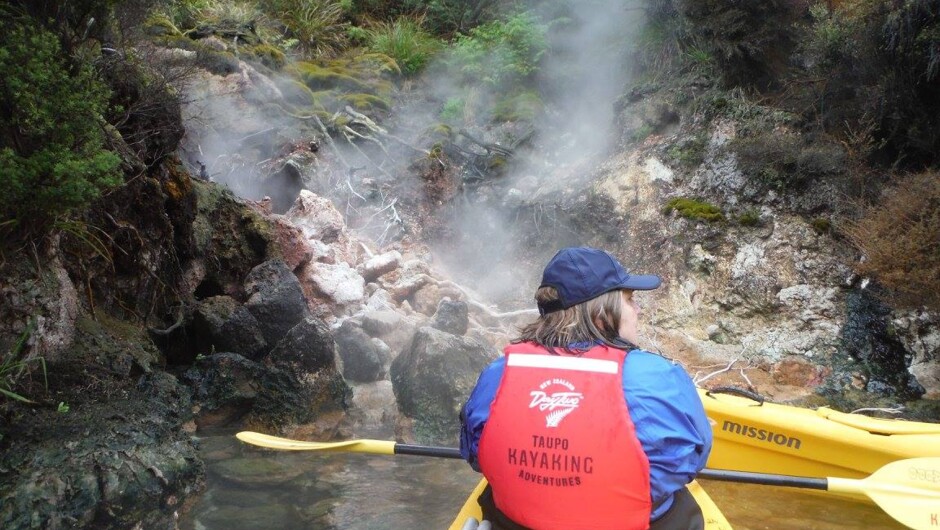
[575,427]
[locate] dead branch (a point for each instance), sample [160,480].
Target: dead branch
[698,380]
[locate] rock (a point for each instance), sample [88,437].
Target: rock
[378,323]
[427,298]
[340,283]
[221,324]
[105,464]
[275,299]
[433,378]
[364,358]
[229,388]
[380,265]
[451,317]
[307,350]
[293,246]
[407,286]
[799,372]
[321,221]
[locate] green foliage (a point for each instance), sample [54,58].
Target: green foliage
[642,133]
[317,25]
[453,110]
[442,17]
[518,106]
[62,408]
[12,366]
[405,41]
[694,210]
[500,53]
[53,158]
[749,40]
[829,35]
[690,151]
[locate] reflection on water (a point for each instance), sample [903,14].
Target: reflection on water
[249,488]
[774,508]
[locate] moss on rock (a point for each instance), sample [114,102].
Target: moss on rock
[694,210]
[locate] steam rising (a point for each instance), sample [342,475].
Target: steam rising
[504,227]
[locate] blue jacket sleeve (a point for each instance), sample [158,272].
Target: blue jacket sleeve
[477,410]
[670,422]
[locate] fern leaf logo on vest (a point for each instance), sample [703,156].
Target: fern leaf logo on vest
[557,397]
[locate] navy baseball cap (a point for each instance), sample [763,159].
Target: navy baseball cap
[582,273]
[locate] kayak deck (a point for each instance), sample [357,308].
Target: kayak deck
[766,437]
[714,519]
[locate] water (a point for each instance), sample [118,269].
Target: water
[252,489]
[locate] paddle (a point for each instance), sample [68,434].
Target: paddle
[907,490]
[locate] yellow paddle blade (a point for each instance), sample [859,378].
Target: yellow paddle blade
[907,490]
[381,447]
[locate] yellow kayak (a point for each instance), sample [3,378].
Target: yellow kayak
[752,435]
[714,520]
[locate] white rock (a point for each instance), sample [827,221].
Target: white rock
[342,284]
[376,266]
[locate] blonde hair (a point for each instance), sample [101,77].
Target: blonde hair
[597,320]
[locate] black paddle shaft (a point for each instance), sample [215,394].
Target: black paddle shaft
[423,450]
[765,479]
[709,474]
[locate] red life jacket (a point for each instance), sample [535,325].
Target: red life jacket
[559,448]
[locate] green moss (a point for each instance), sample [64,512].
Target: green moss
[158,25]
[327,77]
[440,130]
[821,225]
[690,152]
[496,162]
[749,218]
[523,106]
[268,55]
[366,101]
[694,210]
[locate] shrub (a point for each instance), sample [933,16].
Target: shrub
[52,154]
[749,41]
[787,161]
[694,209]
[443,17]
[898,239]
[501,53]
[316,24]
[405,41]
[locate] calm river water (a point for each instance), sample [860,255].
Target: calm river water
[252,489]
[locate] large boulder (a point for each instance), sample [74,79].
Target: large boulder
[307,349]
[365,358]
[433,378]
[230,389]
[451,316]
[220,323]
[275,299]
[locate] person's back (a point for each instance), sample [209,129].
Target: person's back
[576,428]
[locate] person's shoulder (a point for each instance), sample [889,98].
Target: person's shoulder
[649,361]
